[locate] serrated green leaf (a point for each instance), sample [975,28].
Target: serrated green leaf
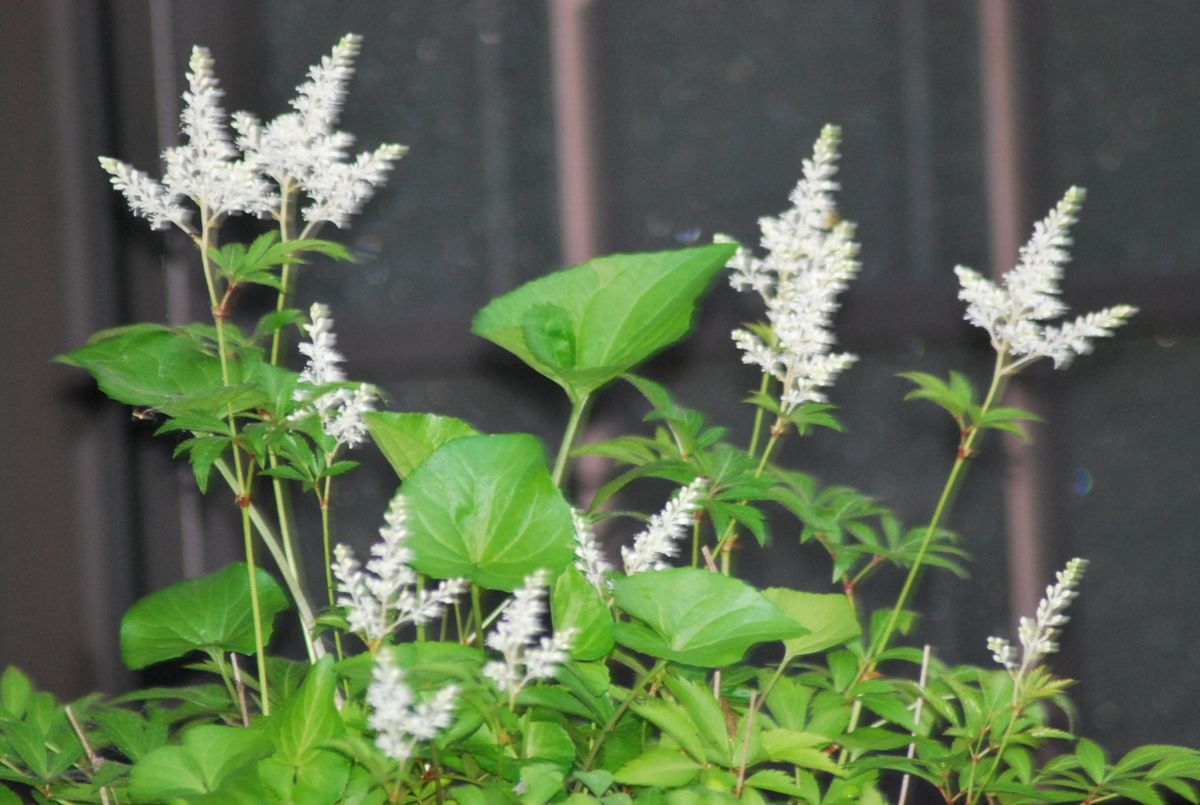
[15,690]
[209,755]
[211,612]
[666,768]
[697,617]
[830,619]
[407,439]
[621,309]
[484,508]
[576,604]
[153,367]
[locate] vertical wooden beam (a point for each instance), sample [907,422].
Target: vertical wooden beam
[1006,147]
[575,128]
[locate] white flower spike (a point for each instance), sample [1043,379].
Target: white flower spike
[1038,637]
[1013,315]
[811,257]
[301,150]
[384,597]
[660,539]
[398,718]
[341,410]
[526,657]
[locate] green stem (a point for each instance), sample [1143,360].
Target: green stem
[260,653]
[760,414]
[218,659]
[639,686]
[331,591]
[578,410]
[966,449]
[772,443]
[477,610]
[243,486]
[879,642]
[295,588]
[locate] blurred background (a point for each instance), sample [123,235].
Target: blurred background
[543,133]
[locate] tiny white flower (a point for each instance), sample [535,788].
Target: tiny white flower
[589,556]
[398,718]
[1014,315]
[341,410]
[659,540]
[811,257]
[147,198]
[384,596]
[1038,636]
[525,656]
[302,150]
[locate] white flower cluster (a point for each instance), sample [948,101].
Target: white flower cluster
[659,539]
[399,720]
[299,150]
[811,257]
[526,657]
[384,596]
[341,410]
[1012,315]
[589,556]
[1039,636]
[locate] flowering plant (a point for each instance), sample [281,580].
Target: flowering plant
[488,650]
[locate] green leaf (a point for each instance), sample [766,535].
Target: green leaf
[309,718]
[549,333]
[597,781]
[576,604]
[703,710]
[780,782]
[956,396]
[485,509]
[406,440]
[549,742]
[209,756]
[614,311]
[1091,758]
[542,782]
[829,618]
[662,767]
[153,367]
[209,613]
[697,617]
[673,721]
[15,690]
[799,749]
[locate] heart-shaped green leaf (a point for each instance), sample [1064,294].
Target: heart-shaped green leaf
[211,612]
[484,508]
[829,617]
[697,617]
[408,439]
[209,755]
[155,367]
[575,604]
[583,326]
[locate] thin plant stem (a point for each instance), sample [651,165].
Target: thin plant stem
[965,451]
[760,414]
[323,499]
[745,755]
[639,686]
[724,543]
[303,607]
[578,411]
[218,659]
[477,611]
[94,761]
[912,747]
[220,313]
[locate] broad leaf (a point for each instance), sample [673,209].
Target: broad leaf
[209,755]
[154,367]
[408,439]
[830,619]
[583,326]
[211,612]
[697,617]
[485,509]
[663,767]
[575,604]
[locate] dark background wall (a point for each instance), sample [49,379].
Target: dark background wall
[542,132]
